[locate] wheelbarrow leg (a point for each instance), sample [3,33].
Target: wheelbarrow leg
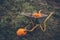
[44,23]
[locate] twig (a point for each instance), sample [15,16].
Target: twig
[33,28]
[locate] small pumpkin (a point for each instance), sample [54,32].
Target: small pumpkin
[37,15]
[21,32]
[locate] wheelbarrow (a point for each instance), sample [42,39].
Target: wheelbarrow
[33,20]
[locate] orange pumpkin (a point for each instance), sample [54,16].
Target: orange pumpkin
[21,32]
[37,15]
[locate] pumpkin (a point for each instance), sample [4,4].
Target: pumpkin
[21,32]
[37,15]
